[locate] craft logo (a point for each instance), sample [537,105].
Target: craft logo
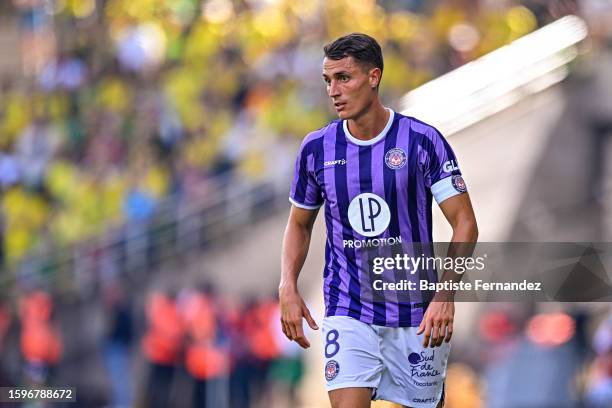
[429,400]
[395,158]
[335,162]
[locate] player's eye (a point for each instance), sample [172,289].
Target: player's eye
[343,78]
[327,81]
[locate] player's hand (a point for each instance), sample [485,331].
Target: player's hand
[437,323]
[293,309]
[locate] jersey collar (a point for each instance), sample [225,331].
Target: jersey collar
[376,139]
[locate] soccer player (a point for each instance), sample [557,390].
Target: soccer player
[376,172]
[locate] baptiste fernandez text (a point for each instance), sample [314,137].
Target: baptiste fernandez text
[479,284]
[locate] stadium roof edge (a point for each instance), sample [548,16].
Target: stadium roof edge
[497,80]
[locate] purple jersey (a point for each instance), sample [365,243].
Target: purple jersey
[376,193]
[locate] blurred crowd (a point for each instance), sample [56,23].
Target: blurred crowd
[121,104]
[195,348]
[560,357]
[234,355]
[192,349]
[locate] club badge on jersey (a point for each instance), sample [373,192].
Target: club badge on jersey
[459,184]
[395,158]
[332,368]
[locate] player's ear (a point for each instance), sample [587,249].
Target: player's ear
[374,77]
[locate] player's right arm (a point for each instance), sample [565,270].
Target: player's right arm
[295,248]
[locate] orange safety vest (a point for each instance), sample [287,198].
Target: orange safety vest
[206,361]
[203,359]
[199,315]
[40,342]
[261,331]
[163,340]
[36,307]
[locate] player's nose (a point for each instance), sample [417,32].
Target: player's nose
[333,89]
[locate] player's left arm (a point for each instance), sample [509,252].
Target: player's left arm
[437,322]
[460,215]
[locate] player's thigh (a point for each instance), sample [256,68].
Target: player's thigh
[351,353]
[350,397]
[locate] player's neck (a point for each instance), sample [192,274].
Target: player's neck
[370,124]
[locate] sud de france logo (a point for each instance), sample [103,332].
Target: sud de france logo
[422,365]
[395,158]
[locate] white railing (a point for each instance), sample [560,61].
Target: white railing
[178,228]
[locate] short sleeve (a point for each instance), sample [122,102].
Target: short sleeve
[305,190]
[442,173]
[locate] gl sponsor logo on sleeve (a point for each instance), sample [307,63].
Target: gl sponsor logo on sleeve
[450,166]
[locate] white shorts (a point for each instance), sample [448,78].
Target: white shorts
[390,360]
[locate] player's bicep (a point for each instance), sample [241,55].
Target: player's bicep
[303,218]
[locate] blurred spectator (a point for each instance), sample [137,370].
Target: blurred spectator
[9,170]
[35,148]
[41,344]
[261,331]
[287,370]
[67,73]
[162,345]
[206,359]
[139,205]
[241,394]
[38,40]
[541,369]
[117,344]
[260,358]
[599,392]
[5,323]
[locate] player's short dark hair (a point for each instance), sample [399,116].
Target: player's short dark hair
[363,48]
